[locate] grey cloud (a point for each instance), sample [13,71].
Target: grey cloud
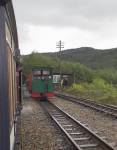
[84,14]
[23,32]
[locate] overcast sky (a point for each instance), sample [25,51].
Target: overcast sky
[78,23]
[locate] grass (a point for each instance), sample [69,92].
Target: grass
[98,90]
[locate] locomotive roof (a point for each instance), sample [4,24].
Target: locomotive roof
[40,68]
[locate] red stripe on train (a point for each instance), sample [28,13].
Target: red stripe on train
[39,95]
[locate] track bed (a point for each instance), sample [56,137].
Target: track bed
[96,121]
[39,132]
[80,136]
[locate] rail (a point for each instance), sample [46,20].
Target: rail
[107,109]
[78,134]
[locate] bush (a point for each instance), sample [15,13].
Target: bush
[99,90]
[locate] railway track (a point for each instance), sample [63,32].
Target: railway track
[106,109]
[78,134]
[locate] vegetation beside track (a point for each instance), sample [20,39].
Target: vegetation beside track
[100,85]
[79,71]
[98,90]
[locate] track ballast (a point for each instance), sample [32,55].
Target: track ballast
[78,134]
[106,109]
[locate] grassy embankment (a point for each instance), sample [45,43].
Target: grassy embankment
[99,90]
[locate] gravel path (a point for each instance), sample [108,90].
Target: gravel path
[38,131]
[96,121]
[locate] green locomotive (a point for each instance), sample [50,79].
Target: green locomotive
[42,82]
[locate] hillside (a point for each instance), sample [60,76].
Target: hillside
[93,58]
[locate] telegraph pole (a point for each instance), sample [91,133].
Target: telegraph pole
[60,45]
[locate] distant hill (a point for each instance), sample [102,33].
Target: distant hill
[93,58]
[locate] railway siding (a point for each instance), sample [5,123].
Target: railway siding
[106,109]
[104,126]
[80,136]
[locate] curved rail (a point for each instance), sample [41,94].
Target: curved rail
[80,136]
[107,109]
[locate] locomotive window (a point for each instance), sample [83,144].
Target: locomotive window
[35,77]
[42,78]
[45,72]
[37,72]
[50,77]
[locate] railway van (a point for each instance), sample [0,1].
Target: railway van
[42,83]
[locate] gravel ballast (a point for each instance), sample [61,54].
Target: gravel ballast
[38,131]
[105,126]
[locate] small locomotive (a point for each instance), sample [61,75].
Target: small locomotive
[40,83]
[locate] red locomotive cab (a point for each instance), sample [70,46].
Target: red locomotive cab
[29,82]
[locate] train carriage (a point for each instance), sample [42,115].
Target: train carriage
[42,82]
[10,75]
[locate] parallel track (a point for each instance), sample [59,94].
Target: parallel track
[107,109]
[80,136]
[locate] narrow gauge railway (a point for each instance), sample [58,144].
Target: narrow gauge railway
[106,109]
[38,130]
[80,136]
